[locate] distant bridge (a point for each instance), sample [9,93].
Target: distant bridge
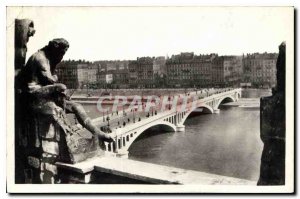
[170,120]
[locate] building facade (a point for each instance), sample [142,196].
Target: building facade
[132,69]
[77,74]
[217,76]
[87,77]
[179,71]
[141,73]
[233,69]
[67,74]
[189,70]
[112,74]
[260,69]
[227,71]
[159,66]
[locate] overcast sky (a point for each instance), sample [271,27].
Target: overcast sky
[101,33]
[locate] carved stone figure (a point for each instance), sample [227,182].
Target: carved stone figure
[24,28]
[38,79]
[272,129]
[47,135]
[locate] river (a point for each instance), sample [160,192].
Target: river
[227,143]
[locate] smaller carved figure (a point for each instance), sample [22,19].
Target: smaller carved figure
[24,28]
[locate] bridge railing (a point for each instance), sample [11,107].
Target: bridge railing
[171,112]
[102,120]
[119,130]
[128,130]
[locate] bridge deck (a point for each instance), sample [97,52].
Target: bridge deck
[151,173]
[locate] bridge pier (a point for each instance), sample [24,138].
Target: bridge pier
[180,128]
[217,110]
[122,153]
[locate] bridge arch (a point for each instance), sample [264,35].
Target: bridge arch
[224,100]
[137,132]
[205,109]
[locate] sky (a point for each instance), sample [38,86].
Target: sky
[118,33]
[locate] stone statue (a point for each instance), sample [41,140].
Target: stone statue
[273,128]
[280,69]
[24,28]
[38,79]
[48,136]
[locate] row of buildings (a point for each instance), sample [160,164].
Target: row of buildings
[182,70]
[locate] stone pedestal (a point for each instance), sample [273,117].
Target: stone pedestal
[272,117]
[180,128]
[49,138]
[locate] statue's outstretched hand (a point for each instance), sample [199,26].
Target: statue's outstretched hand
[104,137]
[108,138]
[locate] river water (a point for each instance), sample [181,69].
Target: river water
[227,143]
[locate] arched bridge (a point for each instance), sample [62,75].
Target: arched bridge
[170,120]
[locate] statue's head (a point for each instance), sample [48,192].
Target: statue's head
[282,47]
[57,48]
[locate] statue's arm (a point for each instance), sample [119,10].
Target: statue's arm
[43,68]
[85,120]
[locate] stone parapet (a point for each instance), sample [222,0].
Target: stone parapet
[133,171]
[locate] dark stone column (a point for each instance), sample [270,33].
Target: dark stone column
[272,129]
[24,28]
